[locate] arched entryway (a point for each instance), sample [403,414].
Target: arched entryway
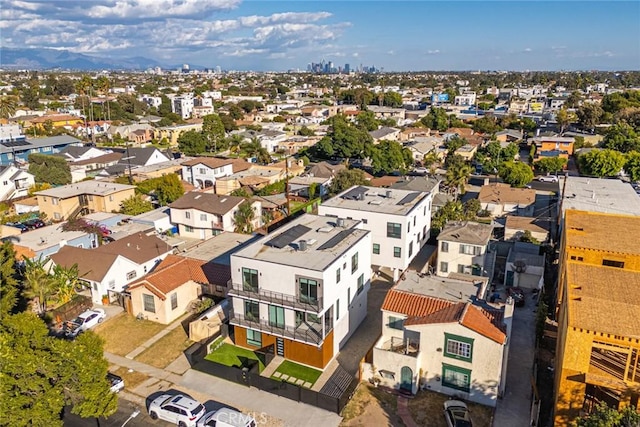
[406,379]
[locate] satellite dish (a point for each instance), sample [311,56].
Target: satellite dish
[519,266]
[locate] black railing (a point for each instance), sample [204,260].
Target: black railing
[306,332]
[240,290]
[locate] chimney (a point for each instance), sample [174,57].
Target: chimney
[302,245]
[340,222]
[388,194]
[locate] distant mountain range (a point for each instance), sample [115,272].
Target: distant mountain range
[38,59]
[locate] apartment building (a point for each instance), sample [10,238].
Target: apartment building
[183,106]
[204,171]
[399,221]
[81,198]
[598,312]
[463,248]
[302,289]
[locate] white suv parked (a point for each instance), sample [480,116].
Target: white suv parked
[548,178]
[177,409]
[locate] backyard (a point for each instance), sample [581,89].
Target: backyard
[231,355]
[294,373]
[166,349]
[124,333]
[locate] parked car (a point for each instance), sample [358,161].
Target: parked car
[84,321]
[34,223]
[517,294]
[420,170]
[225,417]
[23,228]
[548,178]
[117,383]
[456,414]
[177,409]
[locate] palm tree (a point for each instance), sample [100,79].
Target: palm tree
[82,87]
[243,218]
[66,281]
[103,86]
[430,158]
[255,149]
[235,141]
[38,282]
[457,177]
[8,106]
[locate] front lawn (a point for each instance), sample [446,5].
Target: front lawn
[292,370]
[426,403]
[166,349]
[231,355]
[124,333]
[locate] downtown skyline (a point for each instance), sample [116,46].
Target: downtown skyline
[278,36]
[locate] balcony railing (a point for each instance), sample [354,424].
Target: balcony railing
[240,290]
[407,347]
[306,332]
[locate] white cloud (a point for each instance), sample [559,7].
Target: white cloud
[528,49]
[433,52]
[391,52]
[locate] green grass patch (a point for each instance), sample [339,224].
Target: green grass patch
[231,355]
[300,372]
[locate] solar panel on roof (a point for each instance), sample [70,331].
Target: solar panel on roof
[15,143]
[408,198]
[286,237]
[355,193]
[336,239]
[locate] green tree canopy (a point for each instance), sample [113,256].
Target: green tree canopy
[454,211]
[621,137]
[436,119]
[166,188]
[550,164]
[589,115]
[243,218]
[617,101]
[192,143]
[392,99]
[366,120]
[228,122]
[487,125]
[605,416]
[347,178]
[53,170]
[213,131]
[390,156]
[457,176]
[601,163]
[135,205]
[8,282]
[343,140]
[517,174]
[632,165]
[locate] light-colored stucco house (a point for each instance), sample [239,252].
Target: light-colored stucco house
[45,241]
[203,171]
[303,289]
[462,248]
[203,215]
[501,199]
[441,335]
[14,182]
[399,220]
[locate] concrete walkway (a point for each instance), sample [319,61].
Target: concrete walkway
[403,412]
[514,409]
[271,368]
[148,343]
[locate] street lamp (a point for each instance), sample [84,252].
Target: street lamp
[134,414]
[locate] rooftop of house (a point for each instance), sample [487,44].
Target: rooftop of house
[90,266]
[173,272]
[307,180]
[417,183]
[538,225]
[326,169]
[382,132]
[139,247]
[595,231]
[153,215]
[372,199]
[598,195]
[603,299]
[95,188]
[46,237]
[104,158]
[219,248]
[472,289]
[499,193]
[29,144]
[473,233]
[551,139]
[325,242]
[207,202]
[139,155]
[217,162]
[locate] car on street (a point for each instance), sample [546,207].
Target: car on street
[547,178]
[34,223]
[84,321]
[420,170]
[517,294]
[457,414]
[116,382]
[177,409]
[226,417]
[23,228]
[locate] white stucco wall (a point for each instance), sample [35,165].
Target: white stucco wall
[453,258]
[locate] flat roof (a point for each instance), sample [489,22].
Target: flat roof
[46,237]
[374,199]
[599,195]
[154,215]
[326,242]
[446,288]
[219,248]
[96,188]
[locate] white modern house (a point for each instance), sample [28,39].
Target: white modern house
[462,248]
[441,335]
[302,289]
[183,106]
[203,215]
[399,221]
[14,182]
[204,171]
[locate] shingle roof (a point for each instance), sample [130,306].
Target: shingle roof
[207,202]
[500,193]
[91,266]
[216,162]
[139,248]
[469,232]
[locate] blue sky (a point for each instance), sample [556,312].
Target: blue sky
[395,35]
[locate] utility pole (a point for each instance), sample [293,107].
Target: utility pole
[286,180]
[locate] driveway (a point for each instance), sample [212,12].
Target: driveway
[515,406]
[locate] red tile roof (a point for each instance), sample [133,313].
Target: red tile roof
[411,304]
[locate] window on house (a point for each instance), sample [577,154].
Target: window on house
[54,201]
[462,268]
[202,171]
[612,263]
[348,297]
[250,279]
[251,310]
[444,246]
[365,221]
[308,289]
[396,322]
[376,248]
[111,198]
[397,252]
[131,275]
[414,221]
[337,308]
[410,249]
[458,347]
[44,199]
[174,301]
[254,338]
[203,217]
[360,283]
[338,275]
[354,262]
[276,316]
[408,227]
[394,230]
[188,229]
[90,197]
[444,267]
[456,378]
[149,303]
[470,250]
[187,215]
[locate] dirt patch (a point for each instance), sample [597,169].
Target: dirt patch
[371,407]
[123,333]
[166,349]
[427,403]
[131,379]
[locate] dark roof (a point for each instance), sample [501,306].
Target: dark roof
[138,155]
[139,248]
[336,239]
[289,236]
[207,202]
[74,151]
[326,169]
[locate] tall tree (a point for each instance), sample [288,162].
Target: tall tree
[517,174]
[589,115]
[213,130]
[601,163]
[192,143]
[103,85]
[65,281]
[605,416]
[366,120]
[390,156]
[564,118]
[632,165]
[550,164]
[8,282]
[621,137]
[347,178]
[135,205]
[53,170]
[38,283]
[243,218]
[436,119]
[8,106]
[457,176]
